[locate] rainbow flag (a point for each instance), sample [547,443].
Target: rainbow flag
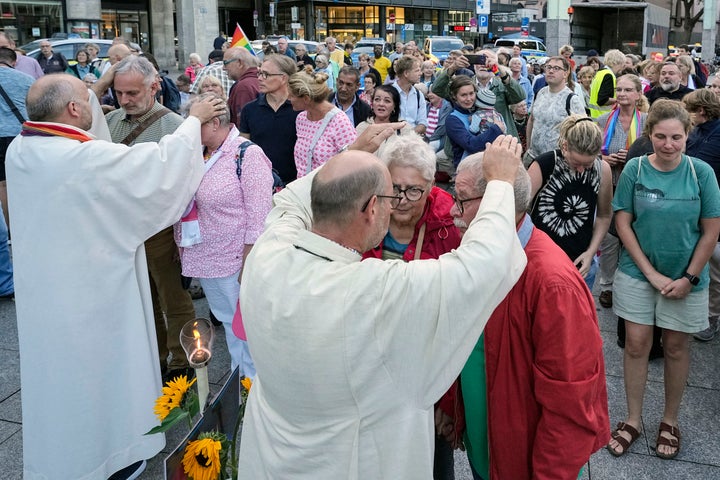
[239,39]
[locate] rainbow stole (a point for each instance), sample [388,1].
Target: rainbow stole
[42,129]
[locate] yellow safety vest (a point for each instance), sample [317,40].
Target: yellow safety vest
[595,109]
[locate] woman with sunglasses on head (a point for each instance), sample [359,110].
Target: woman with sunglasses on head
[421,227]
[572,193]
[621,127]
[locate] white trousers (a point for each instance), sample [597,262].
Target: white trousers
[222,296]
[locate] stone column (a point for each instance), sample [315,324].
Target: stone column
[162,39]
[197,27]
[709,33]
[558,26]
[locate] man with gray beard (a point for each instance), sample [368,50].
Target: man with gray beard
[540,354]
[669,85]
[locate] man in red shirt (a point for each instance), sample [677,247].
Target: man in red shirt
[242,67]
[534,386]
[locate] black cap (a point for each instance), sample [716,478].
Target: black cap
[216,55]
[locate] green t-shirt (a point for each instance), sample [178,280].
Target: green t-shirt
[473,381]
[666,209]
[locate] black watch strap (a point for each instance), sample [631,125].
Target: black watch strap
[692,278]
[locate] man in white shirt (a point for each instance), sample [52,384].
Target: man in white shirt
[413,107]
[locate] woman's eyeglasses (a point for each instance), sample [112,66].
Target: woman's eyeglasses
[413,194]
[265,75]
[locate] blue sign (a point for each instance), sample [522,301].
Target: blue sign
[482,20]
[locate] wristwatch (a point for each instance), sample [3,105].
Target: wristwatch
[692,278]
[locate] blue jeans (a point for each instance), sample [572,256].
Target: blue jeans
[7,286]
[590,279]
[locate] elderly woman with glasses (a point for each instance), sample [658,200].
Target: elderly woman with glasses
[223,221]
[421,227]
[572,193]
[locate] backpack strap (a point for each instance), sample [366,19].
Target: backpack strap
[12,105]
[567,102]
[278,184]
[137,131]
[241,154]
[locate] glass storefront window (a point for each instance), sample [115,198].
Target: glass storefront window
[132,25]
[29,20]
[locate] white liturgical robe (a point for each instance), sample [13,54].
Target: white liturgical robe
[88,352]
[350,355]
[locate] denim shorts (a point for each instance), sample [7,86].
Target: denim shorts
[638,301]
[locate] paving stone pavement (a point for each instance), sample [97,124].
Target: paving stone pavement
[699,418]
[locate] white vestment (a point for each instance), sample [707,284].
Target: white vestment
[350,355]
[88,352]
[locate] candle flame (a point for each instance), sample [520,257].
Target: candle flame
[196,334]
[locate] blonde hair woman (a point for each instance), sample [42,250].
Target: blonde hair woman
[572,191]
[212,84]
[322,129]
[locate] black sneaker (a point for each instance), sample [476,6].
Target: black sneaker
[130,473]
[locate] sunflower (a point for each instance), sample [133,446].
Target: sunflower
[246,383]
[202,457]
[172,396]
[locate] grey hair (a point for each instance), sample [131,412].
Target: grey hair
[409,151]
[473,164]
[136,64]
[245,56]
[338,200]
[51,104]
[223,117]
[195,56]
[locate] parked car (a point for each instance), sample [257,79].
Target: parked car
[70,46]
[440,47]
[367,45]
[310,46]
[531,47]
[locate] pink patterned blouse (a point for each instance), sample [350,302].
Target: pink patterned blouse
[339,133]
[231,211]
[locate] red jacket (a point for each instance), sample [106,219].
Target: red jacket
[441,236]
[546,392]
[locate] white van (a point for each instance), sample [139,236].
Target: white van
[530,48]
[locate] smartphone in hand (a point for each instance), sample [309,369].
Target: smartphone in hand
[479,59]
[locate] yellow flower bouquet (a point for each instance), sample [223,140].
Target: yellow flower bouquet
[210,455]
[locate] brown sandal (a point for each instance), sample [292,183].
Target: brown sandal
[624,443]
[669,442]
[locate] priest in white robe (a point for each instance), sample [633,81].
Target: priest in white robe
[351,355]
[82,209]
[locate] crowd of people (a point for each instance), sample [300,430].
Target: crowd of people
[411,317]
